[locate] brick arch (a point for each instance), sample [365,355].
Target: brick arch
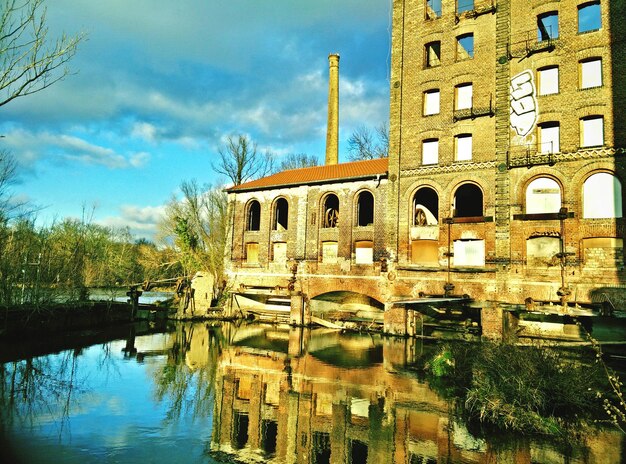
[519,193]
[446,198]
[586,171]
[367,287]
[355,204]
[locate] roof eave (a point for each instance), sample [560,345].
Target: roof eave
[238,189]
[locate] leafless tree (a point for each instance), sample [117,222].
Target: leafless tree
[366,144]
[29,60]
[240,160]
[295,161]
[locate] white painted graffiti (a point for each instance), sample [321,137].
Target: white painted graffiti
[523,102]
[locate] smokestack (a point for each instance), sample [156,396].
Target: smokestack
[332,129]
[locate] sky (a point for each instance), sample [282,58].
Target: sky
[157,86]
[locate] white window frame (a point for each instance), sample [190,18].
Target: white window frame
[463,145]
[548,79]
[432,102]
[463,96]
[592,131]
[590,73]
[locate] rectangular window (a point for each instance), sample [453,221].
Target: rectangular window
[364,252]
[463,97]
[329,252]
[431,102]
[464,5]
[592,131]
[591,73]
[433,54]
[548,80]
[433,9]
[465,47]
[430,151]
[548,26]
[252,253]
[589,17]
[463,147]
[469,252]
[549,140]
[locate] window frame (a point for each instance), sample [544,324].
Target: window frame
[458,95]
[585,126]
[433,142]
[543,77]
[457,139]
[597,16]
[547,130]
[428,8]
[426,102]
[549,35]
[591,73]
[461,48]
[435,46]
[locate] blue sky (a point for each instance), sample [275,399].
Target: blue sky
[158,85]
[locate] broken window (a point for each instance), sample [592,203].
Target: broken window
[425,207]
[543,195]
[548,80]
[240,429]
[365,209]
[432,54]
[602,196]
[252,253]
[589,17]
[468,201]
[463,147]
[330,212]
[549,138]
[364,252]
[430,151]
[592,131]
[463,96]
[269,434]
[464,5]
[254,216]
[433,9]
[431,102]
[591,73]
[542,251]
[469,252]
[548,26]
[465,47]
[281,214]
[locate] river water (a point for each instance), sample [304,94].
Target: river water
[198,393]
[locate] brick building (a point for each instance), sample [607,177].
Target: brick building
[504,178]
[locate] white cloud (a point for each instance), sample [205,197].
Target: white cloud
[142,221]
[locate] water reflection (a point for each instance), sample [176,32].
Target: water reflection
[249,393]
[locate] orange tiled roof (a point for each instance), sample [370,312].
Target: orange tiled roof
[317,175]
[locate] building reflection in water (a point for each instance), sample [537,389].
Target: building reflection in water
[316,396]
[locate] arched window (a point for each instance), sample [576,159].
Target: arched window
[281,214]
[468,201]
[365,209]
[253,218]
[543,195]
[425,207]
[330,211]
[602,196]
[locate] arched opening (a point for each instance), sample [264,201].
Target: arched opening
[425,207]
[281,214]
[602,196]
[543,195]
[253,218]
[468,201]
[365,209]
[330,211]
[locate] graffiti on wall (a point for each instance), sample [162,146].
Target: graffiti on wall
[523,103]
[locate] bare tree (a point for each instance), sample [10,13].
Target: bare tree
[295,161]
[364,144]
[29,60]
[241,161]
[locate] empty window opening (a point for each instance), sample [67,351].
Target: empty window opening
[321,448]
[465,47]
[469,252]
[548,26]
[425,207]
[281,214]
[589,17]
[364,252]
[549,137]
[430,151]
[548,80]
[463,147]
[592,131]
[329,252]
[431,102]
[433,54]
[542,251]
[240,430]
[464,5]
[269,433]
[331,211]
[254,216]
[463,94]
[543,195]
[433,9]
[279,251]
[365,209]
[358,452]
[468,201]
[252,253]
[602,196]
[591,73]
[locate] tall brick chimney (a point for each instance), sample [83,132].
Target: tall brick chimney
[332,129]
